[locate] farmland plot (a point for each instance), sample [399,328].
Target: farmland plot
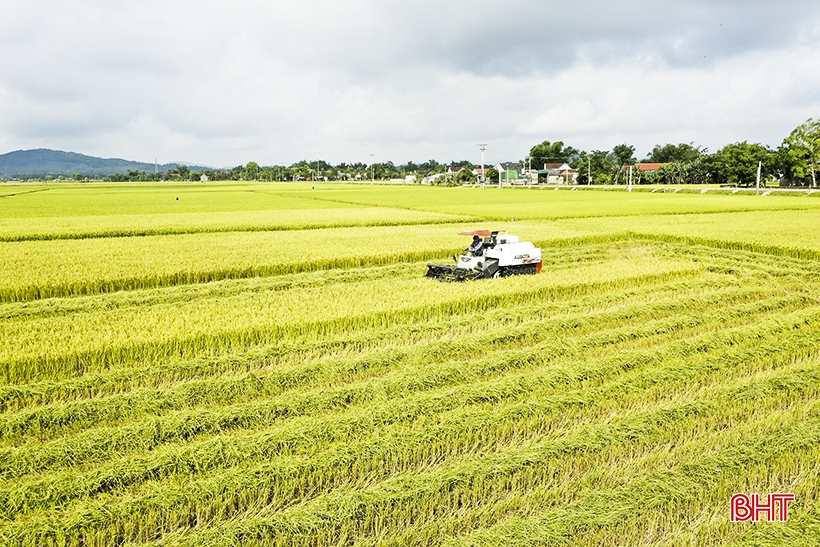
[78,212]
[618,398]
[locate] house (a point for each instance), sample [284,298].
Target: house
[641,169]
[204,178]
[431,179]
[557,173]
[509,170]
[647,167]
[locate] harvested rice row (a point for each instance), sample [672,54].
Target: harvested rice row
[48,420]
[663,370]
[99,227]
[34,270]
[389,507]
[294,359]
[31,350]
[94,444]
[669,500]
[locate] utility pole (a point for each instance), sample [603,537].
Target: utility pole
[759,166]
[482,147]
[629,189]
[589,171]
[372,176]
[529,171]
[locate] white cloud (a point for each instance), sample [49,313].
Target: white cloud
[280,81]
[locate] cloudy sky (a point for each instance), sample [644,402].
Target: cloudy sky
[224,83]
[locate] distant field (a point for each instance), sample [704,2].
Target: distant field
[92,211]
[265,364]
[548,204]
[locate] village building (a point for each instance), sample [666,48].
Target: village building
[509,171]
[648,167]
[557,173]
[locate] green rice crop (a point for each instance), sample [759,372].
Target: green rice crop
[247,403]
[42,269]
[51,347]
[246,378]
[534,330]
[294,360]
[685,376]
[768,232]
[114,200]
[545,204]
[187,223]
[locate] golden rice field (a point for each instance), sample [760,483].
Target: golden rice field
[264,364]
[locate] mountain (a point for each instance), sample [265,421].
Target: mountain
[41,162]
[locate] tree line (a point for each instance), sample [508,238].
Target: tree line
[316,170]
[794,163]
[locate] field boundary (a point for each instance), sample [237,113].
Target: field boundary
[236,229]
[774,250]
[379,205]
[24,193]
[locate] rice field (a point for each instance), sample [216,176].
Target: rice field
[123,210]
[267,366]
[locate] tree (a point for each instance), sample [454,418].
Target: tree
[547,152]
[802,150]
[681,172]
[623,154]
[599,163]
[183,171]
[251,170]
[669,153]
[432,166]
[465,176]
[300,170]
[460,164]
[737,163]
[269,173]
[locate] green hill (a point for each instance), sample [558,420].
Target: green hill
[42,162]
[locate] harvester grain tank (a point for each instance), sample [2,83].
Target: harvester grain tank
[493,254]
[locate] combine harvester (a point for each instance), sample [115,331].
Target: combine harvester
[496,255]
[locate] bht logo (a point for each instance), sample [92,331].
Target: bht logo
[744,508]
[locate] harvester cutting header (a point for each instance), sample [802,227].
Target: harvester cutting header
[491,254]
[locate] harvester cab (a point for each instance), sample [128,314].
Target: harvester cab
[500,255]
